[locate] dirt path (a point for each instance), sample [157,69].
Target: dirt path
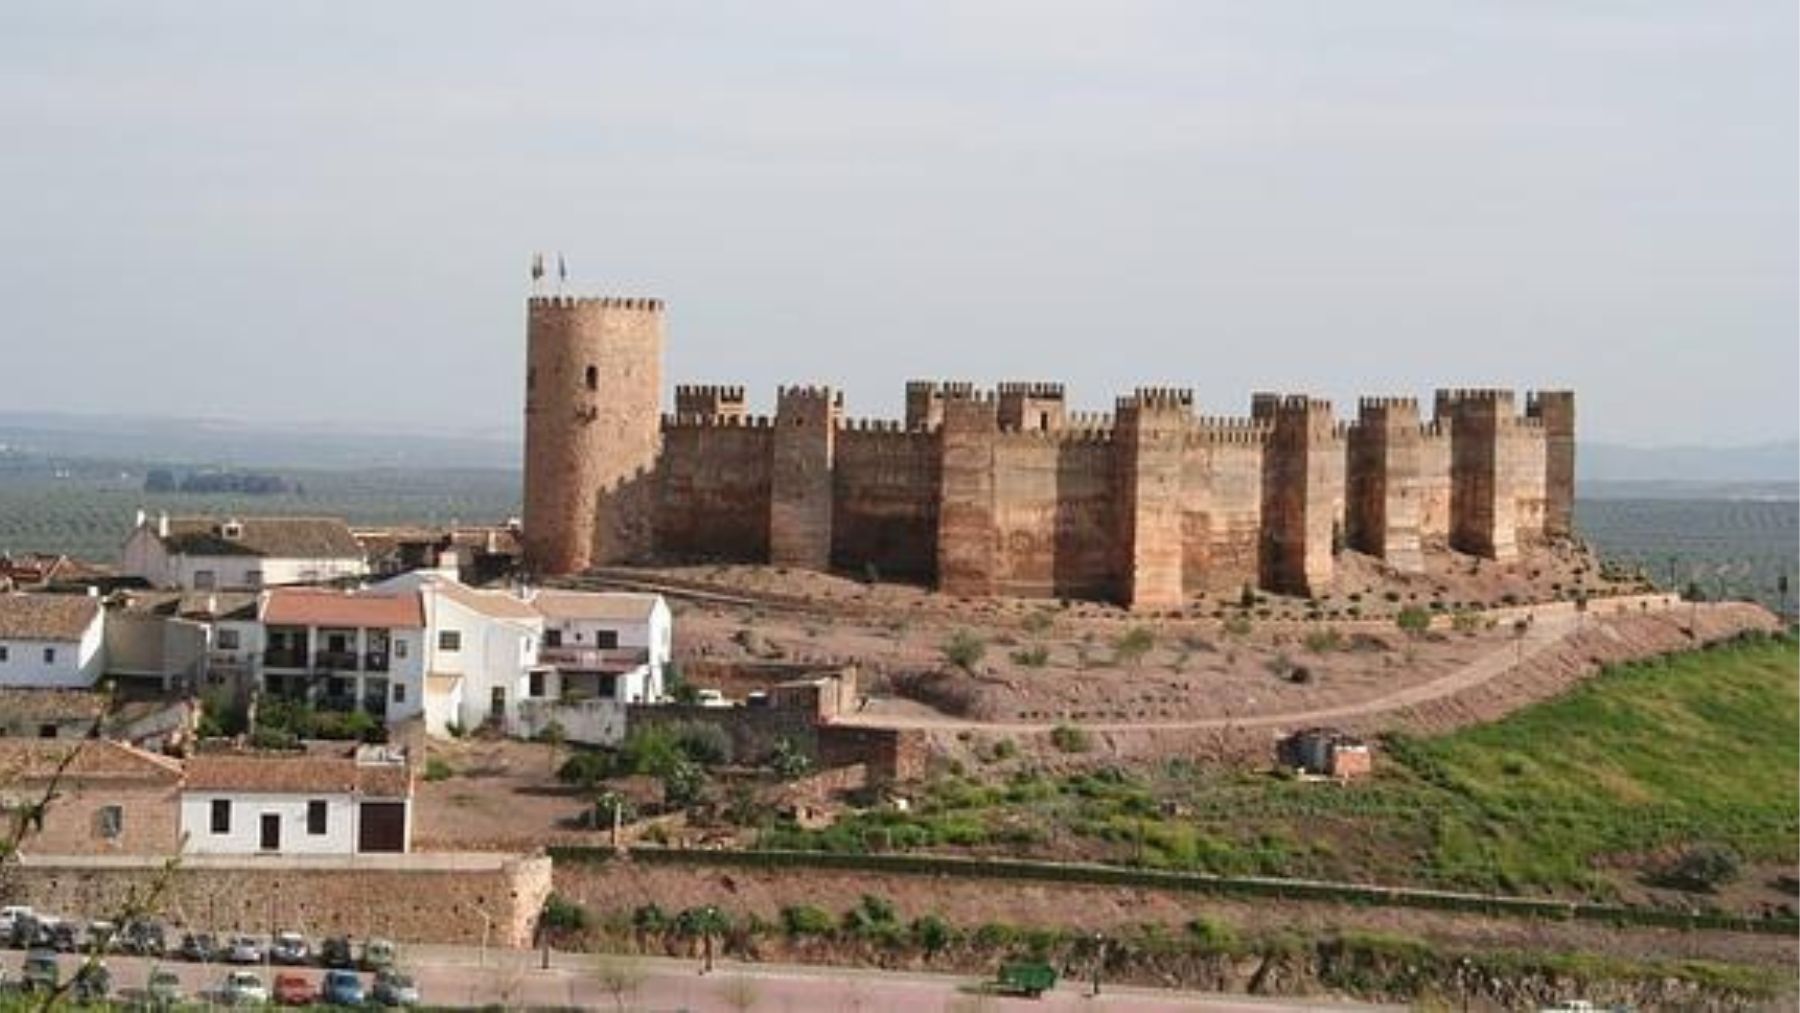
[1542,636]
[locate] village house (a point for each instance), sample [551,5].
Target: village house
[205,553]
[345,802]
[51,640]
[111,798]
[481,651]
[601,653]
[345,651]
[1327,752]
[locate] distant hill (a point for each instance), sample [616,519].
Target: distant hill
[1777,462]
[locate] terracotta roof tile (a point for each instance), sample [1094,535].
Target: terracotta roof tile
[291,774]
[306,606]
[617,606]
[46,616]
[282,537]
[94,760]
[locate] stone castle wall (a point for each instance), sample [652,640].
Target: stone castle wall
[1008,492]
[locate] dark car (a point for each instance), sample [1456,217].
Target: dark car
[341,988]
[200,946]
[58,936]
[336,952]
[144,939]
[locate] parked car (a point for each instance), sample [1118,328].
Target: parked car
[341,988]
[290,948]
[243,988]
[335,952]
[244,950]
[93,983]
[200,946]
[102,936]
[144,938]
[163,988]
[55,934]
[294,990]
[392,988]
[377,955]
[11,915]
[40,971]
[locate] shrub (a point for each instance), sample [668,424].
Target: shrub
[1005,749]
[1136,642]
[1238,626]
[805,920]
[1037,622]
[1413,621]
[564,915]
[1070,738]
[871,916]
[704,743]
[456,729]
[1323,641]
[1704,868]
[1035,656]
[584,768]
[931,934]
[964,650]
[437,770]
[789,760]
[1465,621]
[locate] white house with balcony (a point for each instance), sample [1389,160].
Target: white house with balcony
[344,650]
[352,802]
[51,641]
[603,652]
[481,654]
[233,553]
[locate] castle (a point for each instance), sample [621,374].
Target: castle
[1007,492]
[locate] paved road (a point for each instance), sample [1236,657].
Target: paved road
[461,976]
[1543,635]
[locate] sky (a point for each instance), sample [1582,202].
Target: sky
[324,212]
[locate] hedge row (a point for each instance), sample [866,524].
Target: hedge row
[1243,886]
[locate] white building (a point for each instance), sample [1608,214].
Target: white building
[307,804]
[204,553]
[346,650]
[51,640]
[481,654]
[604,652]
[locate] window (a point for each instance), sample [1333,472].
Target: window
[221,816]
[537,684]
[593,378]
[228,640]
[606,640]
[47,730]
[49,655]
[552,638]
[315,817]
[497,703]
[111,821]
[449,640]
[253,578]
[204,580]
[4,652]
[399,648]
[399,692]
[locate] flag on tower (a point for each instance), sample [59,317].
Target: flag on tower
[562,269]
[537,267]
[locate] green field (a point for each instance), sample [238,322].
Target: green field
[1646,759]
[1733,548]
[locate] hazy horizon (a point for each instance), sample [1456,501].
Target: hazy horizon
[303,216]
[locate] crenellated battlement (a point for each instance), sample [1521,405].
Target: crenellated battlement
[1032,389]
[946,387]
[810,392]
[723,392]
[1304,403]
[874,426]
[1369,405]
[1159,397]
[604,302]
[1223,429]
[1090,420]
[691,420]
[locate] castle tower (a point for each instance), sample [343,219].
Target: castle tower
[1384,501]
[925,401]
[1151,430]
[1300,486]
[1557,410]
[800,476]
[967,544]
[709,401]
[593,383]
[1483,501]
[1032,406]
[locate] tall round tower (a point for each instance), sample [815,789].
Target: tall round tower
[593,430]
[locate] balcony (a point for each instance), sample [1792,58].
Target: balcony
[595,659]
[334,661]
[284,657]
[375,661]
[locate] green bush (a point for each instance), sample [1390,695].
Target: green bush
[1413,620]
[805,920]
[1035,656]
[1070,738]
[564,915]
[585,768]
[1131,646]
[964,650]
[1704,868]
[1324,641]
[436,769]
[931,934]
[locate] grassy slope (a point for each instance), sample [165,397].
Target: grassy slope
[1643,758]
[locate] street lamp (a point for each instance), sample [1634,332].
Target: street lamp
[1099,959]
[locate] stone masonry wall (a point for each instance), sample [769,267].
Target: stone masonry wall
[885,502]
[420,898]
[713,498]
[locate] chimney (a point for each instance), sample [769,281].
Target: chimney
[162,524]
[141,518]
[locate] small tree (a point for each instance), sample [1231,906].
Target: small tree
[553,735]
[620,976]
[1704,868]
[1070,738]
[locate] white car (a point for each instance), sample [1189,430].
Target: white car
[711,698]
[11,915]
[243,988]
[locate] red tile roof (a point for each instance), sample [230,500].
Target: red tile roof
[305,606]
[295,774]
[46,616]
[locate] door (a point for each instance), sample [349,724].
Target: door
[382,827]
[271,831]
